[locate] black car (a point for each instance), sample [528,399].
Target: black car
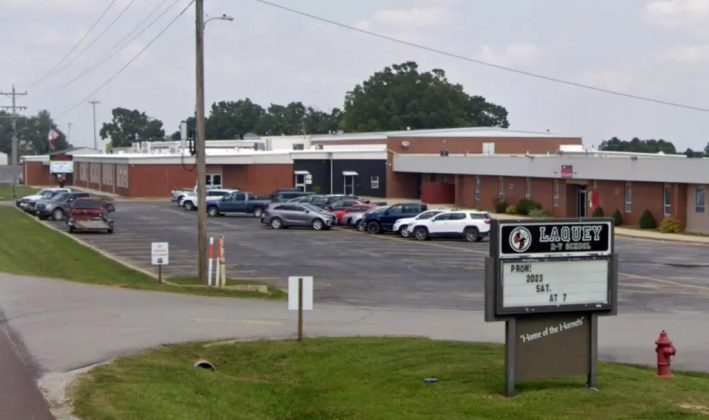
[288,194]
[58,207]
[383,221]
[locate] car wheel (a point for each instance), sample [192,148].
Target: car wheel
[317,224]
[213,211]
[421,233]
[187,205]
[71,229]
[472,234]
[58,215]
[361,226]
[404,231]
[110,231]
[258,212]
[276,223]
[373,227]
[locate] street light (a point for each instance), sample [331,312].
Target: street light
[200,151]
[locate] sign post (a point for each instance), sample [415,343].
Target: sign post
[549,280]
[300,298]
[160,255]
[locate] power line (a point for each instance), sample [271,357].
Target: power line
[125,66]
[120,45]
[485,63]
[93,42]
[75,46]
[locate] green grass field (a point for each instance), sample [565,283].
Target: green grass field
[28,247]
[21,190]
[367,378]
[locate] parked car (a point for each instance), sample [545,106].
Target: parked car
[176,195]
[288,194]
[58,206]
[357,219]
[189,200]
[340,212]
[237,202]
[286,215]
[380,222]
[89,214]
[401,226]
[343,203]
[322,200]
[28,201]
[470,225]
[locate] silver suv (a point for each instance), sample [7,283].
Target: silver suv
[296,214]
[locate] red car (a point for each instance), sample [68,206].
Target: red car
[89,214]
[357,208]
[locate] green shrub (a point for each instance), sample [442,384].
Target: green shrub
[524,206]
[500,206]
[317,189]
[670,225]
[597,212]
[511,209]
[539,213]
[618,218]
[647,221]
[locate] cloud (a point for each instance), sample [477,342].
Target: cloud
[673,13]
[411,18]
[690,54]
[511,54]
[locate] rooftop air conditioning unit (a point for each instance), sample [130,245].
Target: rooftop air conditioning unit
[298,146]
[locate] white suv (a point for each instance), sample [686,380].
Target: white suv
[401,226]
[471,225]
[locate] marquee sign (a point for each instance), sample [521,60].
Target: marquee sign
[547,278]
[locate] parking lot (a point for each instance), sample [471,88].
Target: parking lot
[384,270]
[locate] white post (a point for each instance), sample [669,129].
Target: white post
[211,258]
[217,262]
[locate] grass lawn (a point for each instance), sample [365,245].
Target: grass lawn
[30,248]
[6,191]
[367,378]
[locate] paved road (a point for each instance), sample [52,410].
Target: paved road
[386,271]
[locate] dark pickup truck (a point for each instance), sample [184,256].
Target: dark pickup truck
[237,202]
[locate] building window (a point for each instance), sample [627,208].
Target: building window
[122,176]
[555,193]
[477,188]
[83,172]
[214,180]
[107,174]
[374,182]
[500,188]
[628,197]
[302,179]
[528,188]
[699,199]
[667,200]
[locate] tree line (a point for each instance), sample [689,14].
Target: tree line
[32,134]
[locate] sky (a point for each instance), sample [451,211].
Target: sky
[652,48]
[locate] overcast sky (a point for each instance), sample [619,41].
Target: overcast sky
[657,48]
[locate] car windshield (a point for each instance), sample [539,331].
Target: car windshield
[379,209]
[45,193]
[312,208]
[427,215]
[59,196]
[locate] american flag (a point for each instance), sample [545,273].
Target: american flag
[53,135]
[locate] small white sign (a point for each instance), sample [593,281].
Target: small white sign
[160,253]
[61,167]
[554,283]
[307,293]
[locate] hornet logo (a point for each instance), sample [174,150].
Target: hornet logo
[520,239]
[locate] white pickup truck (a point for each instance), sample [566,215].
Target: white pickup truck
[189,200]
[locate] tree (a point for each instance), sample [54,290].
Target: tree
[32,134]
[636,145]
[399,97]
[231,120]
[131,126]
[319,122]
[706,150]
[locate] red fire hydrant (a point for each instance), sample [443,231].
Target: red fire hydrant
[664,351]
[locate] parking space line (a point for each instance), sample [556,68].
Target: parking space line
[666,282]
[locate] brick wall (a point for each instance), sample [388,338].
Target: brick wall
[157,180]
[36,173]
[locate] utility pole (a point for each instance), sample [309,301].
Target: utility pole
[200,146]
[14,94]
[94,103]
